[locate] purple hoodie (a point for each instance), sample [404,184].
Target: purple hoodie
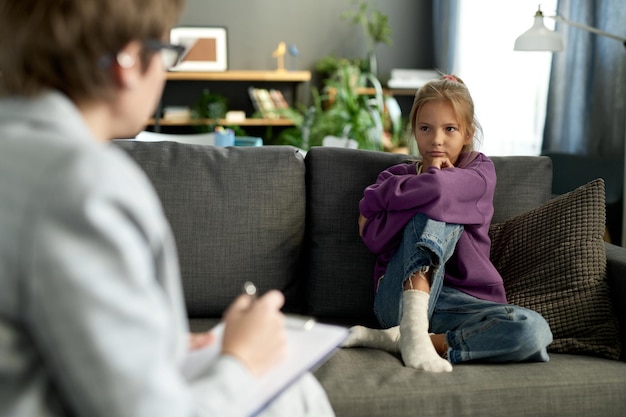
[461,195]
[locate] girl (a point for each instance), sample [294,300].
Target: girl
[428,223]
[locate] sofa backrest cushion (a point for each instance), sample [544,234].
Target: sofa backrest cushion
[524,182]
[339,282]
[237,214]
[340,273]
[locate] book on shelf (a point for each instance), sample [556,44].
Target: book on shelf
[268,102]
[411,78]
[278,99]
[176,114]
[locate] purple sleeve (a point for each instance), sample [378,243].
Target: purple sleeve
[452,195]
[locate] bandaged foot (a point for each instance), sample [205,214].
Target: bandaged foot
[385,339]
[416,348]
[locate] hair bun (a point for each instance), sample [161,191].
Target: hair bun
[450,77]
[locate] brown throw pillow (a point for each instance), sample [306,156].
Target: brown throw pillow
[552,260]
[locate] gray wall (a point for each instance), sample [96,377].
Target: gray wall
[255,27]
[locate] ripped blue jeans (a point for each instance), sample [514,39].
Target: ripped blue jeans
[475,329]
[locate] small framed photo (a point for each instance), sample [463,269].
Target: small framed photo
[206,48]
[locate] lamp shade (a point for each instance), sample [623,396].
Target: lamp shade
[539,38]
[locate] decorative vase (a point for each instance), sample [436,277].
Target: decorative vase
[372,63]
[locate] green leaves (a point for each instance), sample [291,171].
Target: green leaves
[376,27]
[345,112]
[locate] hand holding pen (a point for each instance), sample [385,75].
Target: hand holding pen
[255,330]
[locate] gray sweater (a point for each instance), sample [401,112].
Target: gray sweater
[92,318]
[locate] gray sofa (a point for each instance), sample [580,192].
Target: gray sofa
[282,220]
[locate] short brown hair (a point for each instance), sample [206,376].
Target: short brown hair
[64,44]
[452,89]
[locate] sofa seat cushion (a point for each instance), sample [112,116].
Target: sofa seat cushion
[237,214]
[553,261]
[366,382]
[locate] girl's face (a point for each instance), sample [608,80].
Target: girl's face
[438,134]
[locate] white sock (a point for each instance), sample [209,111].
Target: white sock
[385,339]
[415,345]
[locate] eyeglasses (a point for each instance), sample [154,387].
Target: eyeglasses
[170,54]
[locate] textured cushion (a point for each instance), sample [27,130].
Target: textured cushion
[237,214]
[553,261]
[340,280]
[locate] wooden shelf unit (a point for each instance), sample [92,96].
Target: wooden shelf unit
[233,76]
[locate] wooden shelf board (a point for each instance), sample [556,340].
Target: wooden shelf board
[278,76]
[388,91]
[224,122]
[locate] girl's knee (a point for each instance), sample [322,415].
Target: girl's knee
[533,335]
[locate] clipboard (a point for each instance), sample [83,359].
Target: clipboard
[310,344]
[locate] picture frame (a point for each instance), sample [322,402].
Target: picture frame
[206,48]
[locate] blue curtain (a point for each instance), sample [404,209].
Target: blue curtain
[586,112]
[445,23]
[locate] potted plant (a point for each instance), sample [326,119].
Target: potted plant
[341,111]
[207,111]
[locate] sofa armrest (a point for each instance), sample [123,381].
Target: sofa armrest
[616,275]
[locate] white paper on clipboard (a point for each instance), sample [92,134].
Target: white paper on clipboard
[308,347]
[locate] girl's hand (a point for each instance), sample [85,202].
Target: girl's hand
[362,221]
[439,162]
[255,331]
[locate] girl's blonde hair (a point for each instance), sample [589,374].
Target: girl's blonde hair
[452,89]
[65,45]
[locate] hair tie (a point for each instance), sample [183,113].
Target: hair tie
[450,77]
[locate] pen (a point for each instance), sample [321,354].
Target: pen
[249,288]
[291,321]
